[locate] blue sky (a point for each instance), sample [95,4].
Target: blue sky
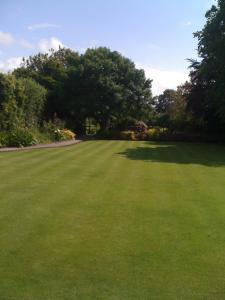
[156,35]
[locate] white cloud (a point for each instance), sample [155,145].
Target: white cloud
[26,44]
[164,79]
[42,26]
[10,64]
[47,44]
[6,39]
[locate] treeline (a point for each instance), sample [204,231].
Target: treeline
[64,89]
[100,84]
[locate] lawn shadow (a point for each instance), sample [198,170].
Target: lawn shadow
[178,153]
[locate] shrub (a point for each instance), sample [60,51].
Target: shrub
[64,135]
[49,127]
[108,134]
[141,127]
[3,139]
[156,133]
[53,129]
[32,102]
[153,133]
[127,135]
[20,138]
[68,134]
[140,136]
[41,136]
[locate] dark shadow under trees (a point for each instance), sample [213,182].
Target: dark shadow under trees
[178,153]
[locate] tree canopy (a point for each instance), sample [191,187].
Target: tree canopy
[207,90]
[100,84]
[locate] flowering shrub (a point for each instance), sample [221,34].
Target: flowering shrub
[127,135]
[64,135]
[141,127]
[69,135]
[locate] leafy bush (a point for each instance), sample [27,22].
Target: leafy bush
[3,139]
[127,135]
[156,133]
[153,133]
[21,102]
[20,138]
[32,101]
[108,134]
[52,129]
[49,129]
[41,136]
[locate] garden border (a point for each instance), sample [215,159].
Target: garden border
[42,146]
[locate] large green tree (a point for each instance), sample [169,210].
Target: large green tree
[99,84]
[116,92]
[207,92]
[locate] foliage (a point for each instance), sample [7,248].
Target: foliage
[20,138]
[11,96]
[108,134]
[64,135]
[3,139]
[127,135]
[40,135]
[155,133]
[206,99]
[69,134]
[171,108]
[33,102]
[51,127]
[103,91]
[21,102]
[100,84]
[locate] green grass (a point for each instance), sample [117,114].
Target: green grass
[113,220]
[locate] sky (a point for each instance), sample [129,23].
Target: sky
[156,34]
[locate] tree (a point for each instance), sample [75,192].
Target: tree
[33,102]
[171,108]
[207,100]
[115,91]
[21,102]
[100,84]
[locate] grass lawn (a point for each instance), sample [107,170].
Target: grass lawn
[113,220]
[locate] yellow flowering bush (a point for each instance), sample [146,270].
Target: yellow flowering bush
[64,135]
[70,135]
